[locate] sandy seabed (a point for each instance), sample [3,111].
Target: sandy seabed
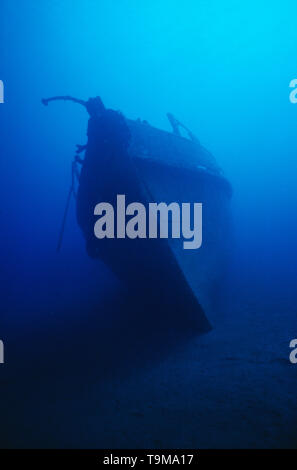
[231,388]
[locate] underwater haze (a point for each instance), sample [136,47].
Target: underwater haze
[223,69]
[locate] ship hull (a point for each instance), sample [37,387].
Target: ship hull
[177,283]
[204,268]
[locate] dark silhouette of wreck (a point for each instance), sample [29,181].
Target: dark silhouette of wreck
[147,164]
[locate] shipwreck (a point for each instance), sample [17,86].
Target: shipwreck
[163,166]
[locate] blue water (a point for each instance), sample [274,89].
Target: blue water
[223,68]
